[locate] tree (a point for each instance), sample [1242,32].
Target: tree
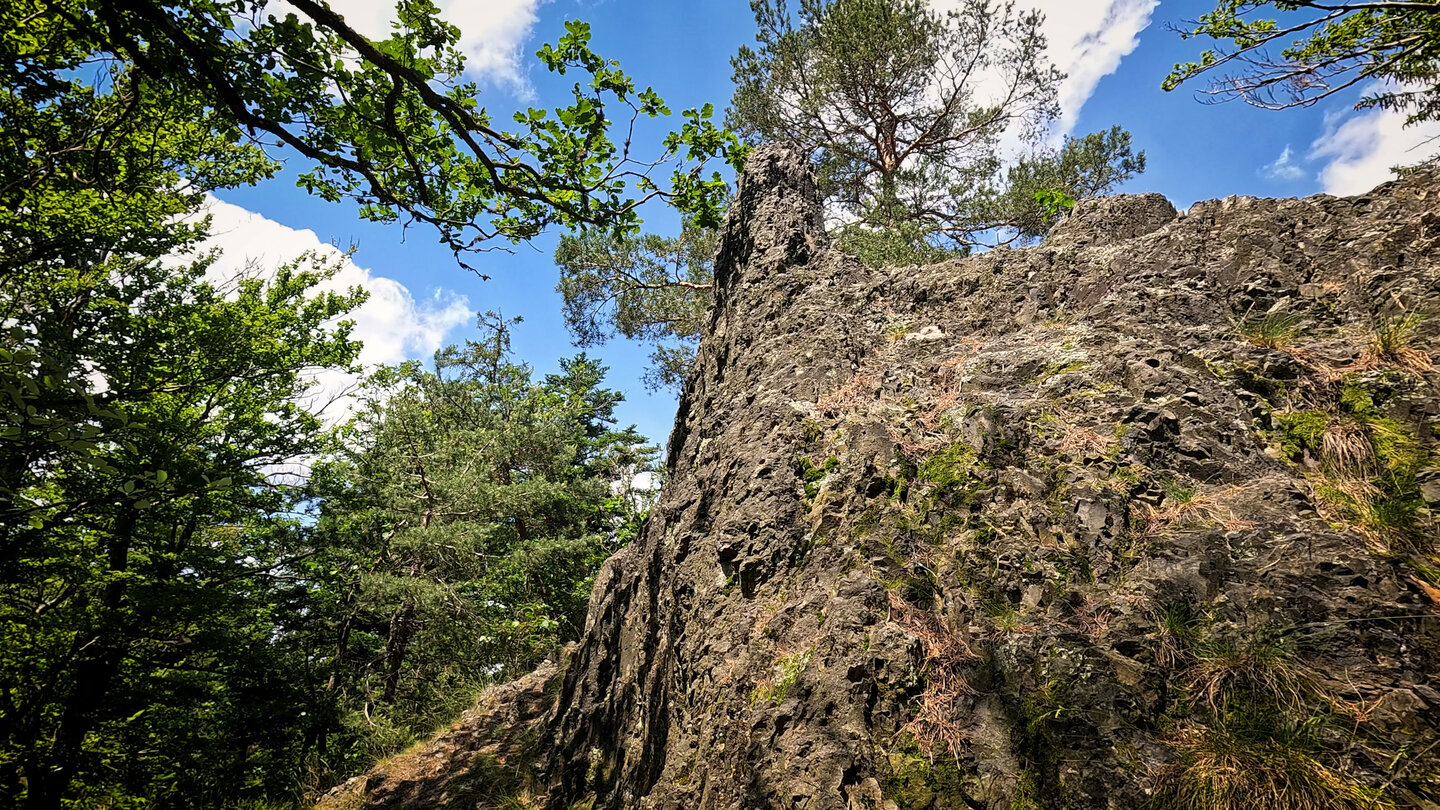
[905,109]
[146,547]
[1390,48]
[644,287]
[390,124]
[467,515]
[1080,169]
[142,538]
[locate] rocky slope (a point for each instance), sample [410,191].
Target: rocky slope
[1139,517]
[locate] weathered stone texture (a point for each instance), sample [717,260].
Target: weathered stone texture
[1028,529]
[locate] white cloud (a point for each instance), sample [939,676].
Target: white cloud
[1361,147]
[1087,39]
[391,324]
[492,33]
[1283,168]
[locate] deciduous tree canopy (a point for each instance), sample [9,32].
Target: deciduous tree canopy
[188,619]
[1390,49]
[391,124]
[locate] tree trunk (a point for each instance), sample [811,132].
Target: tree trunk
[402,628]
[100,656]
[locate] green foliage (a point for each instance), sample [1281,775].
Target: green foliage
[893,101]
[895,244]
[1300,430]
[1276,329]
[147,537]
[1048,182]
[787,674]
[919,782]
[1054,203]
[1389,49]
[812,476]
[649,288]
[461,529]
[950,467]
[1397,341]
[1372,465]
[181,627]
[390,124]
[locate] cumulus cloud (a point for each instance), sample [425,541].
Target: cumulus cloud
[1283,168]
[1360,148]
[1087,38]
[492,33]
[392,324]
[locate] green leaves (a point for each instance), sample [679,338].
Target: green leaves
[390,124]
[1324,49]
[905,137]
[472,504]
[142,412]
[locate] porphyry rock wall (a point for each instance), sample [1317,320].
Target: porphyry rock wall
[1139,517]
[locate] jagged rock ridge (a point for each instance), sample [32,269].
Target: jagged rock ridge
[1133,518]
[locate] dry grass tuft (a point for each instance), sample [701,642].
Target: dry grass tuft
[1092,616]
[1185,507]
[849,396]
[1084,440]
[1216,771]
[1431,592]
[1254,670]
[1396,342]
[1345,448]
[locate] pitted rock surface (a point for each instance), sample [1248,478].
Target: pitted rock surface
[1030,528]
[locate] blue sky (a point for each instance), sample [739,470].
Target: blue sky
[1116,52]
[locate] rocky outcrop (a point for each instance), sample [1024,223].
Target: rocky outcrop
[1142,516]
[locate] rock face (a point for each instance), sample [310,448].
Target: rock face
[1139,517]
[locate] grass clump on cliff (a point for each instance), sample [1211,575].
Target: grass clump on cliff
[1364,465]
[1369,467]
[787,674]
[1218,770]
[1253,727]
[1396,341]
[1187,506]
[1276,329]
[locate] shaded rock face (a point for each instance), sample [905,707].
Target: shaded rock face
[1137,517]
